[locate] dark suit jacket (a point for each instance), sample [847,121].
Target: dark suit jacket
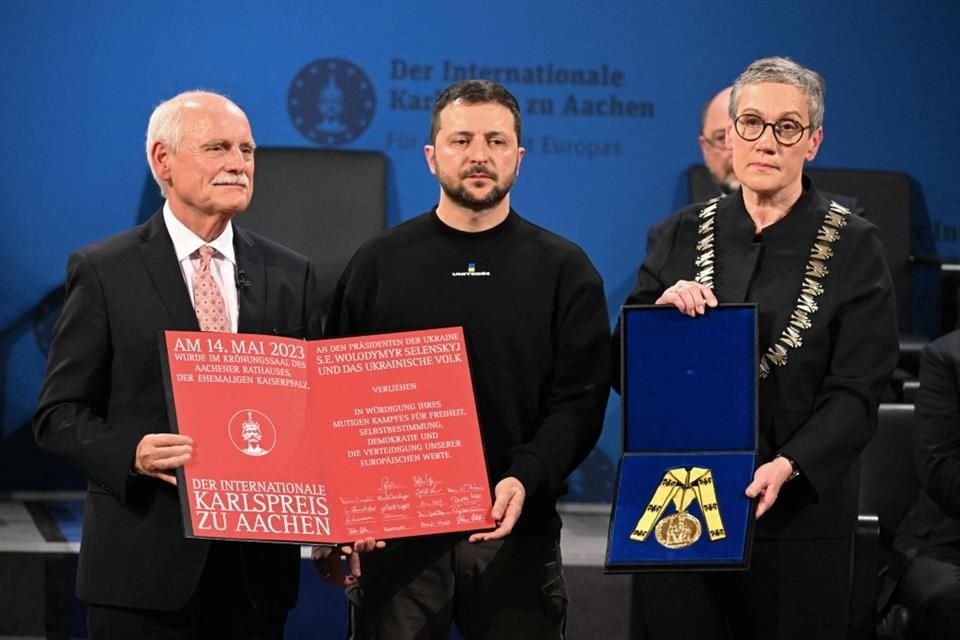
[104,391]
[935,518]
[820,409]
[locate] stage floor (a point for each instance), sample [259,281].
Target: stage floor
[40,538]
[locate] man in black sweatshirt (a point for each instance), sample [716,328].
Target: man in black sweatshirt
[533,311]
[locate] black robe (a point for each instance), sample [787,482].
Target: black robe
[820,408]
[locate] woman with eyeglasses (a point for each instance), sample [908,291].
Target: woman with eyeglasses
[828,343]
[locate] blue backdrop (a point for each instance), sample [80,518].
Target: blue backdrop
[604,159]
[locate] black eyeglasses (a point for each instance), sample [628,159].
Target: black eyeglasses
[751,127]
[717,139]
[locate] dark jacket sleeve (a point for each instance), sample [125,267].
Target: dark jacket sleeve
[70,418]
[864,351]
[314,304]
[346,305]
[332,326]
[938,424]
[579,384]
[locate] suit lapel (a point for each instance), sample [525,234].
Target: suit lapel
[252,293]
[158,255]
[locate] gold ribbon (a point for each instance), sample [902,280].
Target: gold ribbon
[683,487]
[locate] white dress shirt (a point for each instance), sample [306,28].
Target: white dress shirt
[223,266]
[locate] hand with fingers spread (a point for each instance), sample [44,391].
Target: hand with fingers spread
[768,479]
[160,454]
[329,563]
[691,298]
[509,495]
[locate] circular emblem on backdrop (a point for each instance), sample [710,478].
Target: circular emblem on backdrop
[331,101]
[252,432]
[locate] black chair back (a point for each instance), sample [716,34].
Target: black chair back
[889,482]
[322,203]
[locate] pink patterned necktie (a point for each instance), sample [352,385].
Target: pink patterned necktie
[207,299]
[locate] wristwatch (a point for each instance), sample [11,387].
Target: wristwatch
[793,465]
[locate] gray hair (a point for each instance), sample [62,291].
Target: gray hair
[166,125]
[784,71]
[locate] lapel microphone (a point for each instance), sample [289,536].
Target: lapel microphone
[241,280]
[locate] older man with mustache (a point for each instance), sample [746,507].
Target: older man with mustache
[102,404]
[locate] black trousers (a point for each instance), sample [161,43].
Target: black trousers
[220,608]
[504,589]
[794,590]
[930,588]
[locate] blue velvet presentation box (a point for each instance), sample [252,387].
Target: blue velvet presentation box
[689,425]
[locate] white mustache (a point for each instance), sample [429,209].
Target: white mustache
[230,178]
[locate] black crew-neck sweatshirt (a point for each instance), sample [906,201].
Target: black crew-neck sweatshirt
[535,319]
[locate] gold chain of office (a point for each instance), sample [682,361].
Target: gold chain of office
[801,318]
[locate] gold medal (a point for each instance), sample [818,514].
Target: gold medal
[681,488]
[678,530]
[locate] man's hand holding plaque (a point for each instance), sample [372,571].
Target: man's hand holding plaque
[509,495]
[329,561]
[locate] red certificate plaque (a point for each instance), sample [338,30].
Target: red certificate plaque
[327,440]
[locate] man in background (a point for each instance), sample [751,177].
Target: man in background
[717,156]
[714,120]
[929,537]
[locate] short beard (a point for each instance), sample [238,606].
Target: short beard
[464,198]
